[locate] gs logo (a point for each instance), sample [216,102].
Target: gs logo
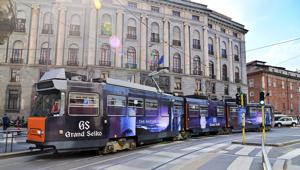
[84,125]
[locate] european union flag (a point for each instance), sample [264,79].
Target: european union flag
[161,60]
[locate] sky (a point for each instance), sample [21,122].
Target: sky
[268,22]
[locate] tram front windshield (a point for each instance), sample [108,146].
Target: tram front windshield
[46,104]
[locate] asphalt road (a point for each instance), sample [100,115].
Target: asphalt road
[206,152]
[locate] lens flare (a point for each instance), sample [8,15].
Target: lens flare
[97,4]
[114,42]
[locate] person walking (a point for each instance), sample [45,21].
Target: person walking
[5,121]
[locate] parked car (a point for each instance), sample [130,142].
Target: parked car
[286,121]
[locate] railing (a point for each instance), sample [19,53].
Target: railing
[130,65]
[44,61]
[131,36]
[72,63]
[197,72]
[74,33]
[177,42]
[16,60]
[225,79]
[104,63]
[210,52]
[8,137]
[265,160]
[212,76]
[237,80]
[177,70]
[196,46]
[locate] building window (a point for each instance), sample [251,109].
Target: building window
[154,60]
[251,83]
[282,84]
[210,26]
[274,83]
[210,46]
[176,13]
[17,52]
[235,34]
[236,53]
[106,26]
[176,36]
[15,75]
[131,29]
[197,66]
[224,72]
[105,58]
[198,86]
[196,40]
[177,85]
[177,63]
[195,17]
[238,89]
[47,25]
[223,50]
[237,75]
[213,88]
[226,90]
[155,9]
[73,56]
[75,25]
[291,86]
[132,5]
[211,70]
[251,93]
[45,54]
[291,96]
[131,58]
[20,22]
[13,98]
[155,32]
[223,30]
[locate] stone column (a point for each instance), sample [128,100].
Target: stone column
[61,36]
[33,33]
[243,70]
[186,48]
[218,59]
[166,43]
[230,59]
[119,50]
[143,42]
[205,51]
[92,37]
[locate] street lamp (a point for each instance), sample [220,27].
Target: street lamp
[154,73]
[98,5]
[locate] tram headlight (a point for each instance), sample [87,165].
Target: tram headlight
[39,132]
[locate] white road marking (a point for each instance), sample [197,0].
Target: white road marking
[200,146]
[233,146]
[291,154]
[214,147]
[246,150]
[268,148]
[241,162]
[278,165]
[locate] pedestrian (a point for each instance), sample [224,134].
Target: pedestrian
[22,121]
[5,121]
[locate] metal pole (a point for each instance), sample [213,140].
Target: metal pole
[5,140]
[263,122]
[12,140]
[243,120]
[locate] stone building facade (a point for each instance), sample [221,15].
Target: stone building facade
[282,85]
[203,49]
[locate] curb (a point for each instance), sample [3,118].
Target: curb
[268,144]
[19,153]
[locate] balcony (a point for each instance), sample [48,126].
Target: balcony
[176,42]
[155,37]
[237,80]
[210,52]
[236,58]
[44,62]
[15,79]
[197,72]
[131,65]
[153,67]
[196,46]
[105,63]
[212,76]
[47,31]
[16,60]
[72,63]
[177,70]
[74,33]
[131,36]
[225,78]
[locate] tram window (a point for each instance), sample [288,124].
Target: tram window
[233,111]
[254,111]
[220,111]
[151,107]
[83,104]
[116,105]
[204,111]
[177,108]
[194,110]
[135,106]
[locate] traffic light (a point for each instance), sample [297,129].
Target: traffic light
[238,99]
[262,98]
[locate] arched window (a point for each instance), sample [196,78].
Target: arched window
[196,40]
[17,52]
[211,70]
[236,53]
[105,59]
[20,21]
[131,29]
[75,25]
[131,58]
[197,66]
[210,46]
[73,55]
[47,25]
[224,72]
[237,75]
[154,60]
[106,25]
[223,49]
[176,36]
[155,32]
[177,63]
[45,54]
